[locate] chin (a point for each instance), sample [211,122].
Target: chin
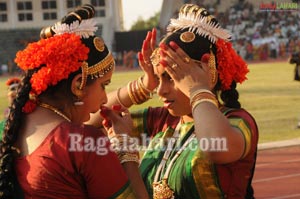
[177,113]
[174,113]
[86,118]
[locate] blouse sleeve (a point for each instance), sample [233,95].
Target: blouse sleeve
[242,120]
[99,166]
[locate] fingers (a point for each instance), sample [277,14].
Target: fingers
[141,61]
[120,110]
[146,43]
[172,55]
[180,53]
[116,120]
[149,45]
[106,123]
[114,114]
[205,58]
[153,39]
[178,64]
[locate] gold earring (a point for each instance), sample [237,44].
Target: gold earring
[212,67]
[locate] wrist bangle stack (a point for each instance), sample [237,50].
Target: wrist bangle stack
[203,95]
[125,147]
[140,82]
[128,157]
[137,91]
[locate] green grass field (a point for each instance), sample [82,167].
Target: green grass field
[270,95]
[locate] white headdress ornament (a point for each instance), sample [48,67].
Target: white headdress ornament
[200,25]
[84,29]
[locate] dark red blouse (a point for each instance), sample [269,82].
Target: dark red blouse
[73,162]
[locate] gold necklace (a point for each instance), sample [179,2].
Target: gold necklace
[55,110]
[161,189]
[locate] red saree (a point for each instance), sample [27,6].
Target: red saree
[64,166]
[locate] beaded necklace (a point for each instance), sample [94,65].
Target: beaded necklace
[161,189]
[55,110]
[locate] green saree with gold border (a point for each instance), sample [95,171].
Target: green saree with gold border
[192,175]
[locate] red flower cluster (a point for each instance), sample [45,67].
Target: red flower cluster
[13,80]
[56,56]
[29,106]
[231,67]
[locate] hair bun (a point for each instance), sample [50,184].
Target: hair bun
[83,12]
[86,11]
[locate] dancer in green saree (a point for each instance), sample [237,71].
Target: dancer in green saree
[203,144]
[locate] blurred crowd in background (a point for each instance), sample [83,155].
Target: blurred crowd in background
[258,35]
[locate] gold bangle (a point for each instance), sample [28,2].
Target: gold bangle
[130,93]
[193,94]
[133,92]
[129,157]
[140,81]
[118,98]
[144,90]
[140,98]
[200,96]
[214,102]
[141,92]
[137,92]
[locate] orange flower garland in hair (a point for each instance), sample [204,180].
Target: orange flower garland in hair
[13,80]
[231,67]
[56,57]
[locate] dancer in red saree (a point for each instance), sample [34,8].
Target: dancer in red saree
[47,151]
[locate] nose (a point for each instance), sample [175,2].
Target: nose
[105,98]
[163,88]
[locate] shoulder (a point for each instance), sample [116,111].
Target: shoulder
[245,122]
[239,113]
[66,128]
[72,135]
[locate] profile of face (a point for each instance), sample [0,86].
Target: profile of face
[177,103]
[95,96]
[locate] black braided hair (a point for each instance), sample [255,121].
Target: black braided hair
[10,135]
[9,187]
[60,92]
[230,97]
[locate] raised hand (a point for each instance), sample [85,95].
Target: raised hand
[188,74]
[149,79]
